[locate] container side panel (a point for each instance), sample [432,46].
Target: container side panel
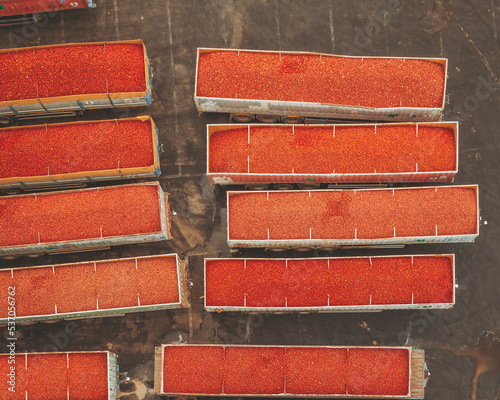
[313,110]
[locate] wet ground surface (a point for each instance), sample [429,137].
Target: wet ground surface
[462,345]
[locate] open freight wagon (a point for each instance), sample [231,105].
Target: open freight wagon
[13,12]
[83,220]
[304,285]
[89,375]
[94,289]
[329,219]
[77,154]
[290,371]
[296,87]
[284,156]
[66,79]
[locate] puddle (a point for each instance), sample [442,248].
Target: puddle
[486,357]
[485,354]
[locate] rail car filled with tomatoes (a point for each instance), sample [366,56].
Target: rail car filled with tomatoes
[307,156]
[13,12]
[328,219]
[66,79]
[356,284]
[89,375]
[290,371]
[83,219]
[95,289]
[77,154]
[294,87]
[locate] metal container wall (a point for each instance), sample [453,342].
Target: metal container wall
[18,108]
[113,376]
[318,110]
[329,308]
[68,245]
[111,367]
[419,376]
[228,178]
[325,243]
[19,7]
[181,284]
[151,171]
[416,367]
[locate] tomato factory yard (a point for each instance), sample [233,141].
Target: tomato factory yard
[172,30]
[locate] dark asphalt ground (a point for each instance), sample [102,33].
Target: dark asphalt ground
[464,31]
